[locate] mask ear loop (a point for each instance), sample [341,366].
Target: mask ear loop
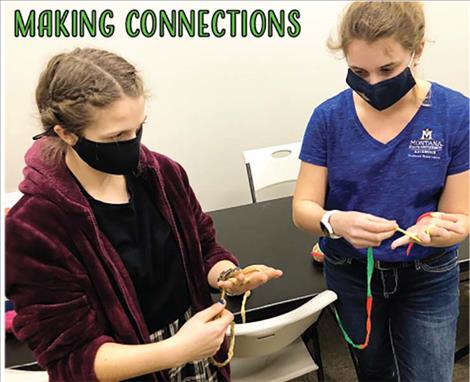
[411,59]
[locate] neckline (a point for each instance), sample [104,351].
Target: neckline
[396,138]
[102,203]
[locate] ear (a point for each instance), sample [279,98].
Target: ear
[66,136]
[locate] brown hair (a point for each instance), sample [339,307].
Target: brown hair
[373,20]
[73,84]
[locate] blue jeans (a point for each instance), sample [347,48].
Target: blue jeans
[414,317]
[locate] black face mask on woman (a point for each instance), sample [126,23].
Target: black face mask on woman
[383,94]
[118,158]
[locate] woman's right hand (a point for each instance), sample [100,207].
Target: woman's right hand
[362,230]
[202,335]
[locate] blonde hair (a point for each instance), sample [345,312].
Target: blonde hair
[74,84]
[374,20]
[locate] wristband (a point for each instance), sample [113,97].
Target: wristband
[225,275]
[425,215]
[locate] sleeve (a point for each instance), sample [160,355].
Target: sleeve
[45,282]
[314,144]
[459,151]
[212,251]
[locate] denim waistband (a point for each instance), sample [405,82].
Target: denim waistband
[386,265]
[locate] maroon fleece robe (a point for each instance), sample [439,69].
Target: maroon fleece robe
[70,288]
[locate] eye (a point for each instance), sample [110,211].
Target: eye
[386,70]
[360,73]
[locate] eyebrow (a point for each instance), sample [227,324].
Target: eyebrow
[112,134]
[382,67]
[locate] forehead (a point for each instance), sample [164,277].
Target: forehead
[125,113]
[366,54]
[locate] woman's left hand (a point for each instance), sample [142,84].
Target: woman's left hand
[432,228]
[249,278]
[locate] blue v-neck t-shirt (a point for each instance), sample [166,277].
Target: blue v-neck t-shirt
[399,180]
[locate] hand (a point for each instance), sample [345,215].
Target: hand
[202,335]
[249,278]
[362,230]
[437,227]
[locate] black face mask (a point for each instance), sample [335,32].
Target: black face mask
[383,94]
[118,158]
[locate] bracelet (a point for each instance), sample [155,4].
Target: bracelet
[225,275]
[425,215]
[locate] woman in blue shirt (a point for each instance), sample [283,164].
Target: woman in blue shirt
[390,152]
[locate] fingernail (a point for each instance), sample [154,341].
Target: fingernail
[222,301]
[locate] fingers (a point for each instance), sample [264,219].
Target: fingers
[434,230]
[448,225]
[273,273]
[444,216]
[211,312]
[221,323]
[376,219]
[225,319]
[441,227]
[400,241]
[378,225]
[262,275]
[361,239]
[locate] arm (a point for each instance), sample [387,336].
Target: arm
[198,338]
[309,198]
[117,362]
[450,225]
[46,283]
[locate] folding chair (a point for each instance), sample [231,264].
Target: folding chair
[273,349]
[271,166]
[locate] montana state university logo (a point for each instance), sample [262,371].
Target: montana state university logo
[426,134]
[426,146]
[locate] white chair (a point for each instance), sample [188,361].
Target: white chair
[272,166]
[272,350]
[12,375]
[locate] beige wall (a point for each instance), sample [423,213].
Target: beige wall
[213,98]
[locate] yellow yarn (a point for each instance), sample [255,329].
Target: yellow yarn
[247,294]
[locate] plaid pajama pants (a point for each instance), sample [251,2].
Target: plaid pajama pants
[197,371]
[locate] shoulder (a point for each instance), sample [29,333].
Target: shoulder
[36,216]
[31,207]
[454,102]
[334,104]
[333,109]
[451,108]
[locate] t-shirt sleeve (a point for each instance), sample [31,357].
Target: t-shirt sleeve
[314,144]
[459,151]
